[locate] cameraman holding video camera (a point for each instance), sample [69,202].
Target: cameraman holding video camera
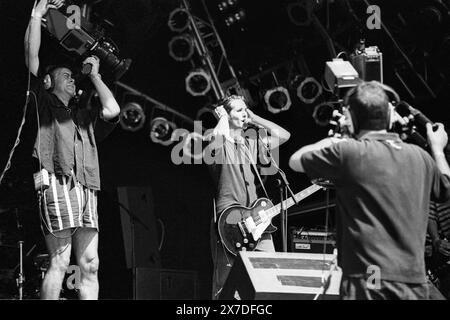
[383,188]
[68,177]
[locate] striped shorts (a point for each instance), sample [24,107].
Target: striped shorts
[68,204]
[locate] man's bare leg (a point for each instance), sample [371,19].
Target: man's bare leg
[59,248]
[85,244]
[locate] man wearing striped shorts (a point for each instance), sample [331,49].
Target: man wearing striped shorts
[67,178]
[68,204]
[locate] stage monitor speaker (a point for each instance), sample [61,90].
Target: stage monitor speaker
[282,276]
[138,227]
[165,284]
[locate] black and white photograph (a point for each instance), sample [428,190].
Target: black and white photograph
[224,154]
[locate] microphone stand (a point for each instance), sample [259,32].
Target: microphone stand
[20,277]
[283,185]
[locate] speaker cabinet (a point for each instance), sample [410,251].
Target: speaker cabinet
[138,227]
[165,284]
[282,276]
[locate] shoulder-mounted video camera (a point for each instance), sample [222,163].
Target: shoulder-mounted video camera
[69,26]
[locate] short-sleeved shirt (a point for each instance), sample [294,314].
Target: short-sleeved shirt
[234,168]
[66,140]
[383,188]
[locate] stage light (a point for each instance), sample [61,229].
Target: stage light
[309,90]
[181,47]
[223,5]
[207,117]
[198,82]
[300,12]
[229,21]
[324,113]
[277,99]
[178,20]
[235,18]
[227,4]
[132,117]
[161,131]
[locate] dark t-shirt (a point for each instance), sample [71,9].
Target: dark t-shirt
[383,191]
[233,172]
[66,138]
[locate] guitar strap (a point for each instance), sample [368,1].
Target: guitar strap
[253,163]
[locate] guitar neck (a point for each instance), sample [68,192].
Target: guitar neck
[275,210]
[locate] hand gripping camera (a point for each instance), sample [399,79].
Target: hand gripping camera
[76,39]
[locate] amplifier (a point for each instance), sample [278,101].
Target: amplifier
[312,240]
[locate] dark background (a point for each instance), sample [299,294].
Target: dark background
[182,194]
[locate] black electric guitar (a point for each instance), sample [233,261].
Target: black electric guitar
[240,228]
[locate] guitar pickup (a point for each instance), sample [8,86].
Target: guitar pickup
[250,224]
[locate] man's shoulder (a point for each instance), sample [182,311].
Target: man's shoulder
[415,148]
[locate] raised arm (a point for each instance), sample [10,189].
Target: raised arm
[438,140]
[32,40]
[295,160]
[278,135]
[110,107]
[222,127]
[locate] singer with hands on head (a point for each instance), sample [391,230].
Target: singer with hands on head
[234,171]
[67,175]
[383,187]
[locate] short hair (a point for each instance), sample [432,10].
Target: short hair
[226,102]
[369,103]
[51,69]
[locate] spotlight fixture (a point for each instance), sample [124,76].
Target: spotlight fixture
[226,5]
[309,90]
[207,117]
[178,20]
[324,113]
[300,12]
[235,18]
[161,131]
[181,47]
[277,99]
[198,82]
[132,117]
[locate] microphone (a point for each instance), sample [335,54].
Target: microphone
[252,125]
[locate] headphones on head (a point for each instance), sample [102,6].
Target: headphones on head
[352,124]
[49,81]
